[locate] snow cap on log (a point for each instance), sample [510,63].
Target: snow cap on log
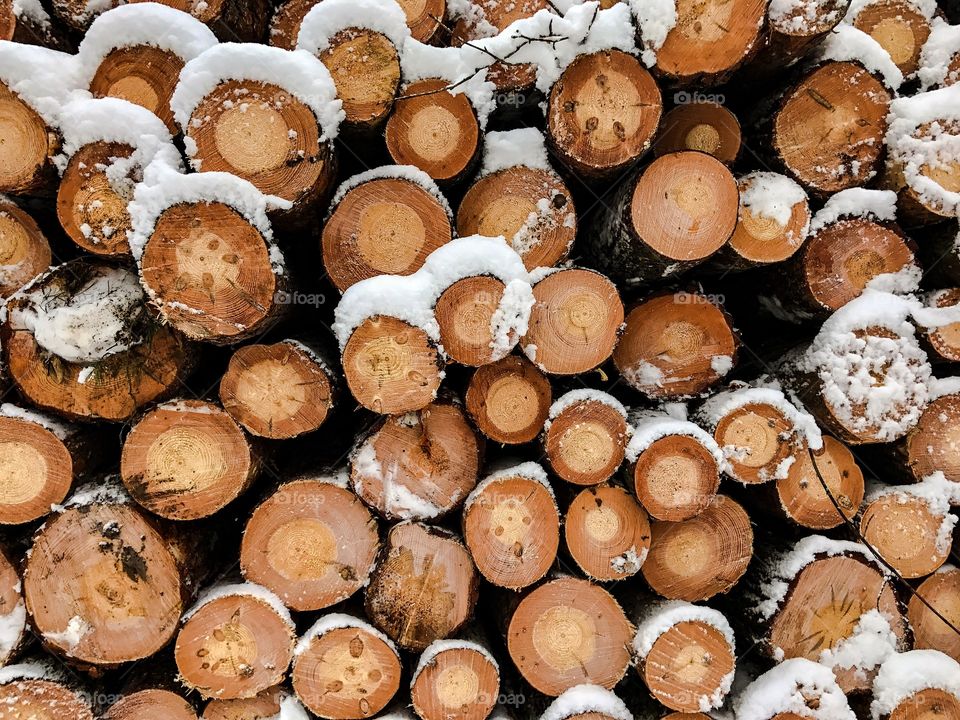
[905,675]
[43,79]
[939,57]
[590,700]
[326,19]
[797,687]
[847,43]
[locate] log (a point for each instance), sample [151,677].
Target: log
[685,655]
[39,459]
[709,41]
[279,391]
[286,20]
[417,466]
[13,612]
[24,250]
[593,125]
[674,466]
[607,533]
[815,598]
[467,312]
[705,125]
[424,19]
[242,21]
[676,345]
[701,557]
[827,131]
[801,495]
[40,691]
[424,587]
[187,459]
[266,704]
[29,146]
[900,27]
[103,585]
[587,702]
[673,215]
[345,669]
[235,642]
[511,526]
[80,341]
[930,447]
[30,24]
[569,632]
[434,130]
[151,703]
[383,222]
[509,400]
[943,343]
[900,695]
[942,591]
[779,692]
[792,32]
[585,437]
[575,322]
[455,677]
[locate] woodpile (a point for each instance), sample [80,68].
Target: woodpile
[469,359]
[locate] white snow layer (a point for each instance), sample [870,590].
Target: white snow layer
[12,627]
[655,19]
[410,173]
[659,617]
[57,427]
[398,499]
[772,195]
[907,673]
[510,148]
[582,395]
[336,621]
[937,493]
[296,71]
[441,646]
[798,686]
[326,19]
[847,43]
[582,699]
[44,79]
[108,491]
[246,589]
[938,53]
[650,426]
[803,17]
[870,644]
[878,205]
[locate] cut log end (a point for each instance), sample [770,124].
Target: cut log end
[511,203]
[43,699]
[509,400]
[424,17]
[459,681]
[234,647]
[13,614]
[906,533]
[465,313]
[266,704]
[312,543]
[365,68]
[603,113]
[701,557]
[934,444]
[512,528]
[286,21]
[386,226]
[24,251]
[704,126]
[277,391]
[945,340]
[759,239]
[27,146]
[391,367]
[607,533]
[186,461]
[346,673]
[900,29]
[36,471]
[569,632]
[585,442]
[757,439]
[801,493]
[676,478]
[575,322]
[149,704]
[942,591]
[675,345]
[434,130]
[927,704]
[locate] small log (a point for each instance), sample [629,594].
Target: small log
[114,361]
[187,459]
[391,367]
[593,122]
[467,313]
[286,21]
[235,642]
[382,224]
[13,612]
[151,703]
[455,678]
[28,148]
[509,400]
[902,693]
[944,342]
[424,588]
[673,215]
[569,632]
[779,692]
[801,494]
[97,549]
[585,437]
[828,130]
[793,31]
[434,130]
[241,21]
[710,41]
[676,345]
[706,126]
[266,704]
[575,322]
[701,557]
[900,27]
[345,669]
[607,533]
[511,526]
[686,655]
[36,691]
[674,467]
[932,446]
[417,466]
[24,250]
[942,591]
[278,391]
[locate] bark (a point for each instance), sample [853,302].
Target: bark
[230,20]
[286,20]
[19,27]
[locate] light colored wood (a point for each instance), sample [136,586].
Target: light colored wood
[459,682]
[263,706]
[509,400]
[365,67]
[24,250]
[27,147]
[675,478]
[945,340]
[905,531]
[900,29]
[465,313]
[607,533]
[585,442]
[761,240]
[149,704]
[761,439]
[41,699]
[286,20]
[801,493]
[927,704]
[424,17]
[942,591]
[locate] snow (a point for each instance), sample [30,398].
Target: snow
[67,639]
[410,173]
[847,43]
[90,324]
[650,426]
[771,195]
[149,24]
[290,709]
[907,673]
[938,52]
[529,470]
[659,617]
[798,686]
[398,500]
[44,79]
[32,10]
[440,646]
[411,298]
[473,14]
[510,148]
[785,568]
[927,8]
[582,699]
[108,491]
[326,19]
[58,428]
[629,562]
[336,621]
[803,17]
[42,669]
[296,71]
[880,205]
[247,589]
[582,395]
[655,19]
[937,493]
[12,627]
[872,642]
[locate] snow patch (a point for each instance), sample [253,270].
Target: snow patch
[846,43]
[510,148]
[798,686]
[582,699]
[336,621]
[905,674]
[773,196]
[326,19]
[57,427]
[247,589]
